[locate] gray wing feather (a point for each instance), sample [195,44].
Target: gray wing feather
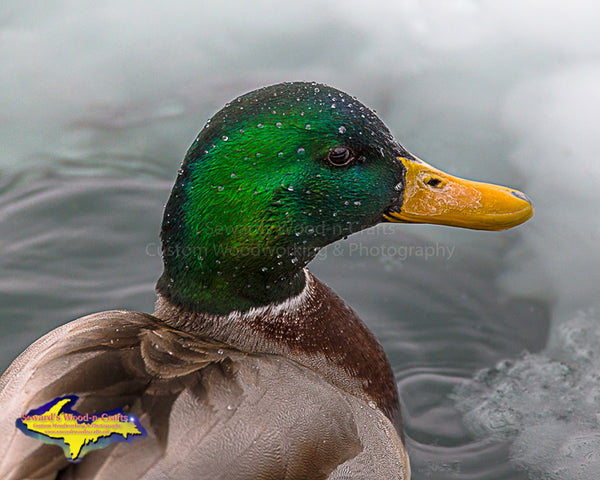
[211,412]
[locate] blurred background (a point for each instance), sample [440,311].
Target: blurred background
[494,338]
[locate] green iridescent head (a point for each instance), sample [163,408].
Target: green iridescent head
[275,175]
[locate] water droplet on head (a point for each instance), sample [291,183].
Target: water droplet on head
[220,188]
[224,138]
[357,202]
[280,154]
[333,105]
[279,124]
[317,90]
[342,129]
[260,125]
[233,175]
[307,126]
[290,188]
[300,151]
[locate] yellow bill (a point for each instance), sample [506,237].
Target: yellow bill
[432,196]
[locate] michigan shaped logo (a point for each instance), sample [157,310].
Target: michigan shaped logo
[78,434]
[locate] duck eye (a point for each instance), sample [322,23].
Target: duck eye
[340,156]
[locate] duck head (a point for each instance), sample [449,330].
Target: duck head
[281,172]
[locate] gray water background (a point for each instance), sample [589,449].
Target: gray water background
[100,102]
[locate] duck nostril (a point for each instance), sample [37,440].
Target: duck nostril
[433,182]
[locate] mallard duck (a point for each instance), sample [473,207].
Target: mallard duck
[250,367]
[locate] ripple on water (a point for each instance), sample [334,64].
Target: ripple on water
[75,241]
[440,444]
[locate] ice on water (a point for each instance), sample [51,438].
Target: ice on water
[549,403]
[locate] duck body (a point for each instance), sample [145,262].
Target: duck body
[250,367]
[211,410]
